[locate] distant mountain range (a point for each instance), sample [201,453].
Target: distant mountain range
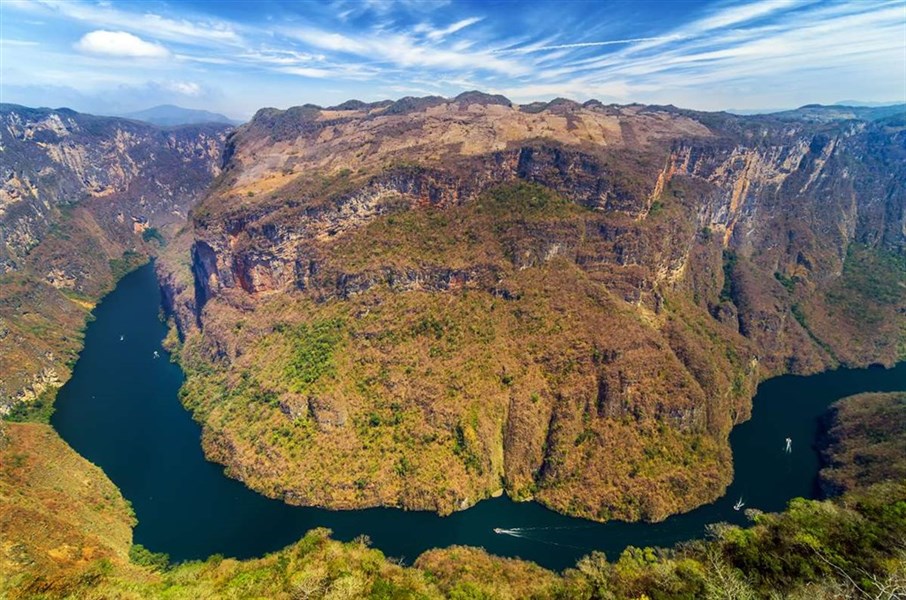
[869,110]
[167,115]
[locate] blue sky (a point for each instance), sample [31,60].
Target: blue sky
[235,57]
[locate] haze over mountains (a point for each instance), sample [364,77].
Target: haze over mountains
[169,115]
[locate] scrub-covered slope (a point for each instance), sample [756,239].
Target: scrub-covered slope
[424,302]
[82,199]
[865,442]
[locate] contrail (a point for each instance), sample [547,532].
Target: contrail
[585,45]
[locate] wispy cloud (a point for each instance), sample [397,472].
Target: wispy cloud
[707,54]
[405,50]
[149,24]
[439,34]
[572,46]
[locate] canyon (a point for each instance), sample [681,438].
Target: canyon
[82,199]
[427,302]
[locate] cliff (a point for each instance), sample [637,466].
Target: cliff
[422,303]
[82,198]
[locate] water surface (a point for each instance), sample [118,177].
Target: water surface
[120,410]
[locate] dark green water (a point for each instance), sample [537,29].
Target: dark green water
[120,410]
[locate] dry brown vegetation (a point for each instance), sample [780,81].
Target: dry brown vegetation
[865,443]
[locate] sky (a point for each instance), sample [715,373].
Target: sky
[235,57]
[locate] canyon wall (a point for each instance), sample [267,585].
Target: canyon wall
[82,199]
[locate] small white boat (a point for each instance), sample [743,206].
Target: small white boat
[739,504]
[156,355]
[789,445]
[498,530]
[122,337]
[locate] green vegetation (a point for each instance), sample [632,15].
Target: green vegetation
[156,561]
[861,313]
[872,280]
[789,283]
[422,364]
[38,410]
[729,265]
[130,261]
[313,347]
[152,233]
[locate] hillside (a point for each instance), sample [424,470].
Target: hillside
[426,302]
[82,200]
[865,442]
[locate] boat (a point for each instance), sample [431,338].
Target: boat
[498,530]
[156,355]
[739,504]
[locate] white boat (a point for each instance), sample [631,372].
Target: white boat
[156,355]
[739,504]
[498,530]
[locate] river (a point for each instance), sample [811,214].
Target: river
[121,411]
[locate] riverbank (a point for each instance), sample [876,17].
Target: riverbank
[121,411]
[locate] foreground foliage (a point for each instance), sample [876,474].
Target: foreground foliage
[851,547]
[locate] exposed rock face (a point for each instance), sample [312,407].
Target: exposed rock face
[410,304]
[76,192]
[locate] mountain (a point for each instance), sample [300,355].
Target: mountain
[837,112]
[426,303]
[168,115]
[82,199]
[841,110]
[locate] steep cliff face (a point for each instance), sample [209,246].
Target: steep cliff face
[420,303]
[81,198]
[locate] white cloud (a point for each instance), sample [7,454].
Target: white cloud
[308,72]
[9,42]
[119,43]
[186,88]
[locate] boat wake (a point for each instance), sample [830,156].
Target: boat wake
[532,534]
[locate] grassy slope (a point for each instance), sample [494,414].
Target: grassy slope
[61,519]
